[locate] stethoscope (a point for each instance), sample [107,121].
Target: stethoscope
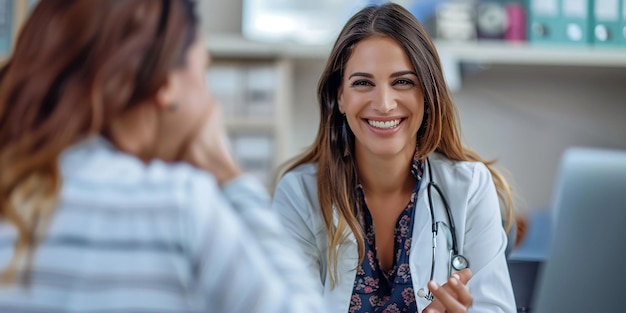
[456,261]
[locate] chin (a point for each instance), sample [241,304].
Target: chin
[387,150]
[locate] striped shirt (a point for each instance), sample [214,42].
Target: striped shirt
[132,237]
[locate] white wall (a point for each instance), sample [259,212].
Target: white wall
[527,116]
[220,16]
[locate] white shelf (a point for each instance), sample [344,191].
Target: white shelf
[235,46]
[494,52]
[488,52]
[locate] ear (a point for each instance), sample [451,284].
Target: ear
[167,95]
[340,100]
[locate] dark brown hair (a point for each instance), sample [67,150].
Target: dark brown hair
[333,148]
[76,66]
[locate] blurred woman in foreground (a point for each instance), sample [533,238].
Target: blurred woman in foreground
[117,191]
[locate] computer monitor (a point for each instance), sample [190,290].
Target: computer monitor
[584,271]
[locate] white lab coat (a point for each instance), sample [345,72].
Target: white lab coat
[474,205]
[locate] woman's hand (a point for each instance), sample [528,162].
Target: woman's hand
[210,148]
[453,296]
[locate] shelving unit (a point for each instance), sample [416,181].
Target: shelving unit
[488,52]
[250,124]
[495,52]
[236,46]
[255,94]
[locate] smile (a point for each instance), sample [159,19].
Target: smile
[384,124]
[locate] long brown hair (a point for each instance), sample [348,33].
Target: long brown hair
[333,149]
[76,66]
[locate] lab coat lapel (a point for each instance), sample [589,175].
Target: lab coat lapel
[421,245]
[348,257]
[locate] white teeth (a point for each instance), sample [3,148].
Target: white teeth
[384,125]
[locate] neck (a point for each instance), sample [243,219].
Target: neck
[385,176]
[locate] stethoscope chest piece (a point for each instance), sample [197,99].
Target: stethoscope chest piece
[459,262]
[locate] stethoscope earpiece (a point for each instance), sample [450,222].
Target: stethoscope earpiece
[422,294]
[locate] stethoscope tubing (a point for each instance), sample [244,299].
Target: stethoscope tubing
[435,226]
[454,256]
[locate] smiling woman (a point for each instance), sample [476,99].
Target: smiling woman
[388,199]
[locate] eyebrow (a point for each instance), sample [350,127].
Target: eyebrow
[397,74]
[393,75]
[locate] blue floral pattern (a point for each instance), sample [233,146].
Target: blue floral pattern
[374,289]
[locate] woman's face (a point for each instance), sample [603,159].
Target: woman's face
[382,99]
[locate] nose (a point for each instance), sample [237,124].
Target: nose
[384,100]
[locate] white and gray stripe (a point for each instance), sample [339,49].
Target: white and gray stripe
[129,237]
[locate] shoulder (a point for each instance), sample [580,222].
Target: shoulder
[470,191]
[464,179]
[182,200]
[94,169]
[297,191]
[303,171]
[464,171]
[302,179]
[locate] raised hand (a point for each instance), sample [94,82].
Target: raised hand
[453,296]
[210,148]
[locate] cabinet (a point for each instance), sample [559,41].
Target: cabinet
[254,93]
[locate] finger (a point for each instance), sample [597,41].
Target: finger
[435,307]
[464,275]
[463,294]
[448,300]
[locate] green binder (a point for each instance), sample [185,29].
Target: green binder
[577,21]
[622,31]
[561,21]
[607,23]
[543,21]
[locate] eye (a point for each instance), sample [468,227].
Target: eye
[403,82]
[361,83]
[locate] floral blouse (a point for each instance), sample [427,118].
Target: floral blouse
[374,289]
